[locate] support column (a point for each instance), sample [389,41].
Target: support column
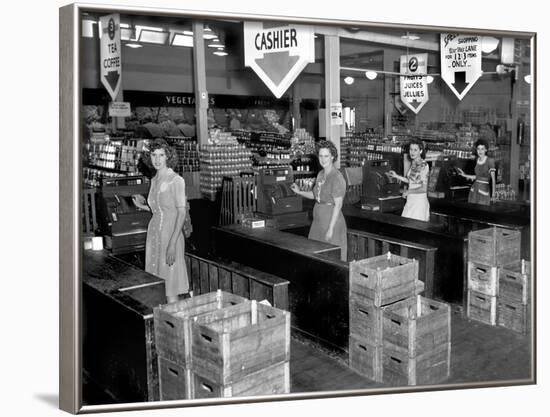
[296,100]
[199,84]
[388,62]
[515,148]
[332,88]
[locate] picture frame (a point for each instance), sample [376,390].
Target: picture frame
[70,190]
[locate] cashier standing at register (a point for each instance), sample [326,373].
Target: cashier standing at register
[165,246]
[330,187]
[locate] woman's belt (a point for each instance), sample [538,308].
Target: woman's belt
[325,203]
[482,181]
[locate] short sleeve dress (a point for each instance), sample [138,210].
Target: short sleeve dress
[480,193]
[417,206]
[326,188]
[165,198]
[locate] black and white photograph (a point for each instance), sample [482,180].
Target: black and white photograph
[262,210]
[288,208]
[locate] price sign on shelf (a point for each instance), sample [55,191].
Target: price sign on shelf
[460,61]
[414,88]
[278,53]
[110,54]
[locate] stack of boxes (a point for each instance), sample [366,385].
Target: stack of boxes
[396,336]
[497,282]
[221,345]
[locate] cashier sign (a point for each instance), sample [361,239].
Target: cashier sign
[278,53]
[110,54]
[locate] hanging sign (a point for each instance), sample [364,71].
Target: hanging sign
[110,54]
[278,53]
[120,109]
[414,88]
[460,61]
[336,114]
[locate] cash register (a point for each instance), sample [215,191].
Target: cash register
[380,192]
[444,180]
[123,225]
[277,203]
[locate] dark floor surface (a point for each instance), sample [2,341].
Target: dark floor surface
[479,354]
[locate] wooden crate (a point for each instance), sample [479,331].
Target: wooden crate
[384,279]
[482,307]
[494,246]
[273,380]
[175,381]
[365,319]
[513,315]
[231,343]
[483,278]
[431,367]
[365,357]
[514,282]
[416,326]
[173,323]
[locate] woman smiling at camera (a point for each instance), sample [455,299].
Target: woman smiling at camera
[165,246]
[330,187]
[417,206]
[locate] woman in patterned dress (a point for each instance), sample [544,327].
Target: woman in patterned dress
[484,179]
[165,245]
[330,187]
[417,206]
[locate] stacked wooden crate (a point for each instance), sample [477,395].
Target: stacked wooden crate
[514,300]
[242,350]
[374,283]
[222,345]
[173,339]
[417,342]
[489,251]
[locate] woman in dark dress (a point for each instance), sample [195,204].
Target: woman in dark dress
[484,179]
[330,187]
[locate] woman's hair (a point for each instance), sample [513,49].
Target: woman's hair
[482,142]
[159,143]
[326,144]
[417,141]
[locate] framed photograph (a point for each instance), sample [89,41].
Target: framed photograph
[257,208]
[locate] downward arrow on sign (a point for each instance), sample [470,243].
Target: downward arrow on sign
[415,103]
[277,65]
[112,78]
[460,83]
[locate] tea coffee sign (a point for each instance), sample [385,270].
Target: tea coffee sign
[414,88]
[110,54]
[278,53]
[460,61]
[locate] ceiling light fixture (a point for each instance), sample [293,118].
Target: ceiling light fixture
[180,39]
[134,45]
[220,53]
[527,78]
[488,44]
[216,43]
[371,75]
[429,79]
[410,37]
[349,80]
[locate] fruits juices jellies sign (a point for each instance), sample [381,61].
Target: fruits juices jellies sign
[414,87]
[278,52]
[460,61]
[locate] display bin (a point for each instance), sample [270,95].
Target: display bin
[513,315]
[483,278]
[175,381]
[384,279]
[482,307]
[417,325]
[273,380]
[173,323]
[365,357]
[431,367]
[494,246]
[514,282]
[231,343]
